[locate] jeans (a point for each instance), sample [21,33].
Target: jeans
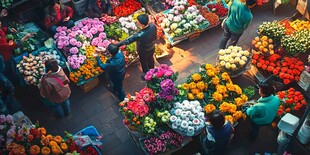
[147,60]
[234,38]
[117,86]
[62,109]
[68,24]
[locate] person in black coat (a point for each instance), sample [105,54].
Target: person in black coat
[145,42]
[96,8]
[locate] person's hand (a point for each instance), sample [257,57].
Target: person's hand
[66,19]
[11,42]
[13,30]
[29,35]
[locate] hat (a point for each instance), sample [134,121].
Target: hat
[143,19]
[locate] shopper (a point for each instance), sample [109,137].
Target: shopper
[264,111]
[115,66]
[145,42]
[55,87]
[239,18]
[97,8]
[6,50]
[56,15]
[219,133]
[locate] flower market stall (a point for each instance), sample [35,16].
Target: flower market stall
[169,113]
[33,140]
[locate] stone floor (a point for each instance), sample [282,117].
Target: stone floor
[100,109]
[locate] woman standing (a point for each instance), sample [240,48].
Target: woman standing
[55,87]
[97,8]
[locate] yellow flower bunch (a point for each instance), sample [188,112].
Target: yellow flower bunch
[196,77]
[221,89]
[210,73]
[185,86]
[225,76]
[89,51]
[195,91]
[228,107]
[244,97]
[238,101]
[190,96]
[200,85]
[209,67]
[209,108]
[215,80]
[217,96]
[200,95]
[230,87]
[237,115]
[238,90]
[192,85]
[230,119]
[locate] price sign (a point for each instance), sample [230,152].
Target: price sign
[304,81]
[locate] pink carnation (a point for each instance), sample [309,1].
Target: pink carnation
[74,50]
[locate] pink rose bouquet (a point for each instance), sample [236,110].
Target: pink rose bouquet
[75,61]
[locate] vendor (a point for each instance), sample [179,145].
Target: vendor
[145,42]
[7,47]
[265,110]
[97,8]
[115,66]
[58,14]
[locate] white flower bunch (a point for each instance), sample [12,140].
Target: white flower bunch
[233,57]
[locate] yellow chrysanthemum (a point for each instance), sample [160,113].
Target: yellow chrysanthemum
[190,96]
[238,90]
[200,95]
[215,80]
[195,91]
[232,108]
[224,107]
[201,85]
[196,77]
[221,89]
[237,115]
[192,85]
[239,102]
[229,118]
[208,67]
[225,76]
[217,96]
[244,97]
[209,108]
[230,87]
[210,73]
[185,86]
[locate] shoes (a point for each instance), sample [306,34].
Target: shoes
[142,78]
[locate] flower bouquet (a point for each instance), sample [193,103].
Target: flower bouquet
[187,118]
[264,45]
[162,143]
[291,101]
[233,60]
[195,87]
[126,8]
[272,30]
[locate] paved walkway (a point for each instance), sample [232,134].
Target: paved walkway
[100,109]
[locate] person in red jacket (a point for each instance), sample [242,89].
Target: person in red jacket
[6,50]
[58,14]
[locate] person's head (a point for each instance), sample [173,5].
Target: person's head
[51,65]
[265,89]
[55,4]
[143,20]
[4,12]
[217,119]
[113,49]
[250,3]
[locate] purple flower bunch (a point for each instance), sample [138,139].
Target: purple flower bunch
[75,61]
[159,144]
[88,29]
[168,90]
[162,71]
[7,129]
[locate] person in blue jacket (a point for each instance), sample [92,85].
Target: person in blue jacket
[115,66]
[145,42]
[239,18]
[265,110]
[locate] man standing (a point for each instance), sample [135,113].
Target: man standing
[145,42]
[239,18]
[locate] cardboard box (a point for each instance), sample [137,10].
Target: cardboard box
[90,85]
[302,8]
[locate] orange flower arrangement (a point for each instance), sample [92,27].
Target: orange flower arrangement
[52,143]
[57,139]
[291,100]
[209,108]
[86,71]
[45,150]
[34,150]
[56,150]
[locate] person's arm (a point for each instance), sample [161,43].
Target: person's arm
[48,22]
[252,111]
[111,65]
[247,23]
[131,39]
[70,11]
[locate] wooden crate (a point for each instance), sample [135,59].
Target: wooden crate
[90,85]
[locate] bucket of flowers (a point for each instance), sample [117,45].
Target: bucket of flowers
[187,118]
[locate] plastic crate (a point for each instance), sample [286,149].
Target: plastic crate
[80,6]
[90,131]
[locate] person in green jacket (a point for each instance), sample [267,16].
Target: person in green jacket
[239,18]
[265,110]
